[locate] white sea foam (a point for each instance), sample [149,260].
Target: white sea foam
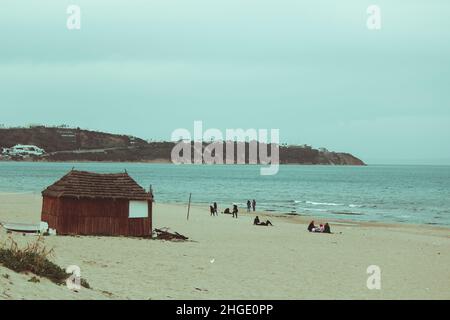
[313,209]
[323,203]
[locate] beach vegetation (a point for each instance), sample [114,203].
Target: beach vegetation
[34,258]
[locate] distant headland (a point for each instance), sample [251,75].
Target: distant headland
[54,144]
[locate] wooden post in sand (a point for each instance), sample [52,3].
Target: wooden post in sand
[189,205]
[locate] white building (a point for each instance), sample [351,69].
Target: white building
[23,150]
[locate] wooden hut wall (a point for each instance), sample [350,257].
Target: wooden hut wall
[95,217]
[50,208]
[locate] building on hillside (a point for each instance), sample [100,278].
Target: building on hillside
[23,150]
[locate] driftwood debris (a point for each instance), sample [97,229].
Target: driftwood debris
[165,234]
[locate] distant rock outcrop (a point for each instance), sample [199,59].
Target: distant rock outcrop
[75,144]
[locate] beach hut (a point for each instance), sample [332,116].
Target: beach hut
[87,203]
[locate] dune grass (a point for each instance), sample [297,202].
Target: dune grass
[34,258]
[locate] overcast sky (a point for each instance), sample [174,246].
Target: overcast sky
[309,68]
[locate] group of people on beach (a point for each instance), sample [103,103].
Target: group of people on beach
[250,205]
[234,212]
[213,210]
[322,228]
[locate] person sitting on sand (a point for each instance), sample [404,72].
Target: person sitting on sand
[311,226]
[326,228]
[226,211]
[256,222]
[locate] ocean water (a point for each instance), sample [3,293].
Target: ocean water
[411,194]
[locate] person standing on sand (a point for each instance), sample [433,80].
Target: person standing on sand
[215,208]
[249,205]
[211,210]
[235,211]
[254,205]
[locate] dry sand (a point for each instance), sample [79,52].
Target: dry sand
[232,259]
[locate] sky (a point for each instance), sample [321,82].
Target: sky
[311,69]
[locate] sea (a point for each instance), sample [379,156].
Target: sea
[383,193]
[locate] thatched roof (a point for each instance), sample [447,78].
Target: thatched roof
[83,184]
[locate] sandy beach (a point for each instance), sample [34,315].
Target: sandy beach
[232,259]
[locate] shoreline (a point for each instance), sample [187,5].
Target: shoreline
[306,219]
[291,217]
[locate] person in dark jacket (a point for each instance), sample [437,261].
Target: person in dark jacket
[235,211]
[256,222]
[311,226]
[215,208]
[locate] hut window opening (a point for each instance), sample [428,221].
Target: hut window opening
[138,209]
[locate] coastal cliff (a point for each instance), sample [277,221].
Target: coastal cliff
[75,144]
